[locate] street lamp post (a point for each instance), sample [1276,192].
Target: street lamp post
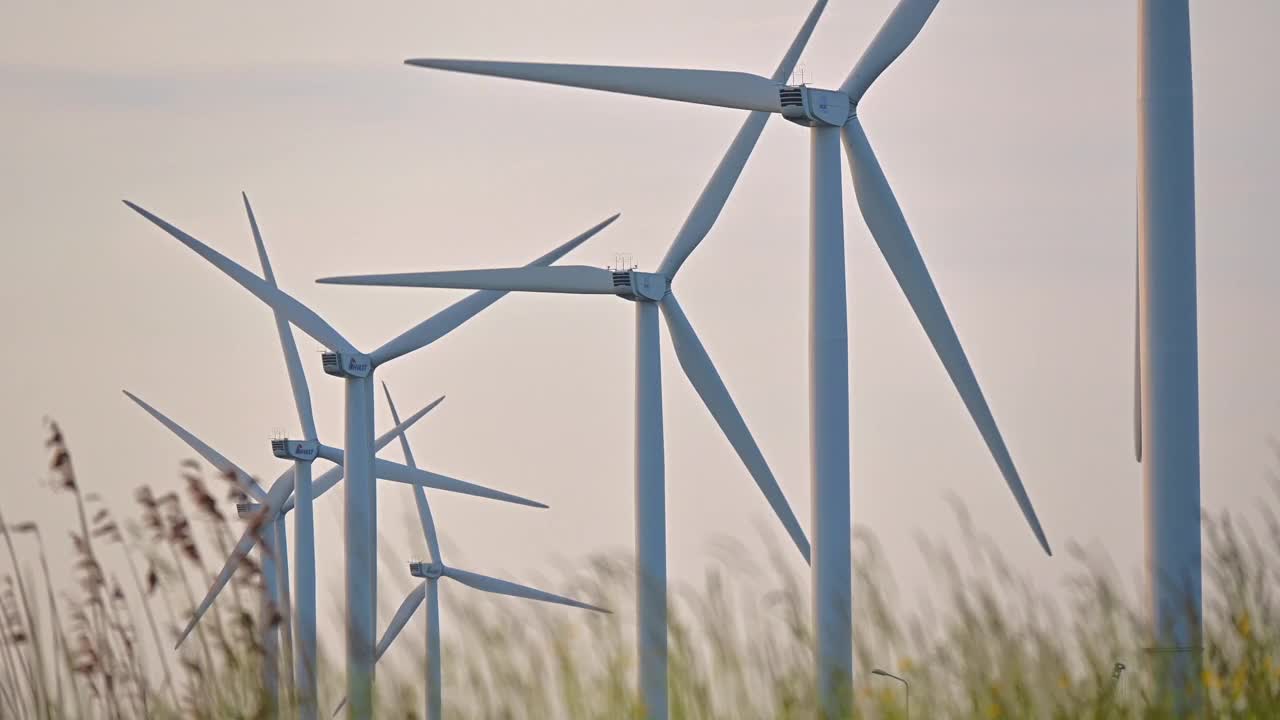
[906,686]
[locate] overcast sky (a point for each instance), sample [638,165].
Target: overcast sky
[1007,130]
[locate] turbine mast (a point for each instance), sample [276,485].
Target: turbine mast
[1168,346]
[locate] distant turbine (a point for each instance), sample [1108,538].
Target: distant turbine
[356,368]
[832,116]
[271,603]
[276,502]
[433,571]
[651,292]
[1167,408]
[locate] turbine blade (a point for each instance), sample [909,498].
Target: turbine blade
[331,477]
[211,456]
[292,362]
[704,87]
[566,279]
[506,587]
[403,614]
[902,27]
[889,228]
[445,321]
[716,193]
[702,374]
[395,472]
[419,495]
[425,478]
[297,313]
[254,530]
[407,608]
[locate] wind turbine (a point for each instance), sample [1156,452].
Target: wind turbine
[831,116]
[356,368]
[432,572]
[652,292]
[250,487]
[270,605]
[269,512]
[1167,407]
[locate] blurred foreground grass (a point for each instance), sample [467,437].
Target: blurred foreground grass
[991,644]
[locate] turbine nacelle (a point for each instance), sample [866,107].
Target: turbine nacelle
[247,510]
[812,107]
[347,364]
[635,285]
[303,450]
[427,570]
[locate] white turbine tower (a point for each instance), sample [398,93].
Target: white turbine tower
[432,571]
[831,116]
[652,293]
[1167,416]
[357,369]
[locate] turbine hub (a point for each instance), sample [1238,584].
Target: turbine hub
[812,107]
[428,570]
[304,450]
[347,365]
[643,286]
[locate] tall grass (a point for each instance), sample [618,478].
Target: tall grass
[992,644]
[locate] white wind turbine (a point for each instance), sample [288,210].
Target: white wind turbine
[432,572]
[357,368]
[651,293]
[272,602]
[831,116]
[270,578]
[260,519]
[303,453]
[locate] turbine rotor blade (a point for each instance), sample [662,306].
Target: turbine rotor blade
[898,31]
[292,361]
[889,227]
[243,479]
[410,605]
[563,279]
[297,313]
[407,608]
[702,374]
[704,87]
[395,472]
[447,320]
[716,193]
[419,495]
[506,587]
[425,478]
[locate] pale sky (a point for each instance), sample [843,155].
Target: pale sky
[1007,130]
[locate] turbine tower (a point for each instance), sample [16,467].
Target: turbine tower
[1168,412]
[357,368]
[832,117]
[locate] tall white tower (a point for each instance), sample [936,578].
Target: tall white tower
[1168,372]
